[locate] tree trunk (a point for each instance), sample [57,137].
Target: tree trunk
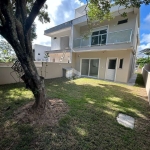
[38,89]
[35,83]
[31,78]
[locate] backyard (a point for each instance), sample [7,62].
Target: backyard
[90,122]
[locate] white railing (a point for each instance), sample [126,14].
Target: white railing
[123,36]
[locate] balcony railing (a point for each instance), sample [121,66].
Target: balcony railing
[123,36]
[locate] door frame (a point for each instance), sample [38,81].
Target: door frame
[108,58]
[89,67]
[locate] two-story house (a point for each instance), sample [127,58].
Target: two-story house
[108,53]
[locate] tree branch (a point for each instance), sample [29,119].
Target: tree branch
[34,12]
[21,13]
[2,19]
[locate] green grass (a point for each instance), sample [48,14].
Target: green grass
[139,80]
[90,123]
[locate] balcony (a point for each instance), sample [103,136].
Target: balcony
[117,37]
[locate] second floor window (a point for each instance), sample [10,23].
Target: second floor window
[99,37]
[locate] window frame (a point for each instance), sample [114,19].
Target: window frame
[99,36]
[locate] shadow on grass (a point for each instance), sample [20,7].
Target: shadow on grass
[139,80]
[11,134]
[90,123]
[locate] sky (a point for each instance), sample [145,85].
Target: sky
[61,11]
[144,27]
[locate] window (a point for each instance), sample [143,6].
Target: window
[99,37]
[38,53]
[112,64]
[33,50]
[122,21]
[121,64]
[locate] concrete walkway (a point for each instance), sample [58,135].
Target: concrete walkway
[132,80]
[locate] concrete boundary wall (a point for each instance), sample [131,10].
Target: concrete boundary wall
[47,70]
[146,77]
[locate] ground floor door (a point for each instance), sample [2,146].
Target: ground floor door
[90,67]
[111,69]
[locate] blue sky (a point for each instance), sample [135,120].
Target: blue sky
[63,10]
[144,27]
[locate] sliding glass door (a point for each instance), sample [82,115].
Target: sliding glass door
[90,67]
[85,67]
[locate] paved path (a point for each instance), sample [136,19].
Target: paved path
[132,80]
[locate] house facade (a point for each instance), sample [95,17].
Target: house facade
[108,53]
[39,52]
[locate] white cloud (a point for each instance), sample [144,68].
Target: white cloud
[145,43]
[59,11]
[147,19]
[143,46]
[145,38]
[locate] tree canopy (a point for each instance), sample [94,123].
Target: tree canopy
[42,15]
[100,9]
[7,53]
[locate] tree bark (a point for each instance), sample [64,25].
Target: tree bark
[38,89]
[34,82]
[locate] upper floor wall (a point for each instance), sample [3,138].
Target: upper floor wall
[81,11]
[118,31]
[60,43]
[80,17]
[61,40]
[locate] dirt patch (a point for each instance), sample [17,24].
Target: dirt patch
[55,109]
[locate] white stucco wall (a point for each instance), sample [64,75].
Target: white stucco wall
[80,11]
[55,43]
[40,52]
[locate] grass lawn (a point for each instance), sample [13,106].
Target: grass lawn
[90,123]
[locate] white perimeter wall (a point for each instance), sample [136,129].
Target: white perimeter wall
[48,70]
[146,77]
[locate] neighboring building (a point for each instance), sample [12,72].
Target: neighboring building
[39,52]
[109,53]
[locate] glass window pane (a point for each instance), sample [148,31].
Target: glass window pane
[94,40]
[95,33]
[76,43]
[103,39]
[112,64]
[85,67]
[121,63]
[103,31]
[85,42]
[94,64]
